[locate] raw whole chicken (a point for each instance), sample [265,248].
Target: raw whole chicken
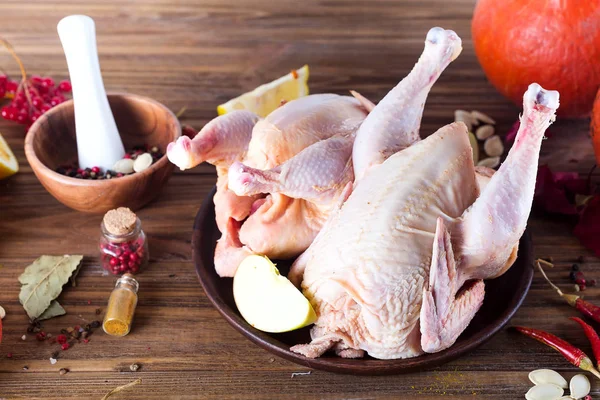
[398,268]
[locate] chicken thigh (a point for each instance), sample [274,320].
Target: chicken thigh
[398,268]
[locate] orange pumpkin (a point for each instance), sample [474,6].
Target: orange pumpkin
[555,43]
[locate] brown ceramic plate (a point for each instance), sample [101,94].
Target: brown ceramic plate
[503,297]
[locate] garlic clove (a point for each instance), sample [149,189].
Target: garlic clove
[2,313]
[541,376]
[479,116]
[464,116]
[142,162]
[124,166]
[493,146]
[545,391]
[490,162]
[579,386]
[484,132]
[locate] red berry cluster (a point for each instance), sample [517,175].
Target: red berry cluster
[31,98]
[120,258]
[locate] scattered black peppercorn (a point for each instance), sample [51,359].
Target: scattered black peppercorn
[95,324]
[98,311]
[572,276]
[575,267]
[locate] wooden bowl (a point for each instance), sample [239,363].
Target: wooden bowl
[503,297]
[141,121]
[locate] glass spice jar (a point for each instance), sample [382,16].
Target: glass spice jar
[121,306]
[123,244]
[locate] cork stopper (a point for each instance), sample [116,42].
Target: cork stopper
[120,221]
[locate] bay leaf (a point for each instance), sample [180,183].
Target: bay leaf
[53,310]
[43,280]
[73,278]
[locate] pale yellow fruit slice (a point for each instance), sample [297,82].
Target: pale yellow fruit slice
[268,301]
[8,162]
[266,98]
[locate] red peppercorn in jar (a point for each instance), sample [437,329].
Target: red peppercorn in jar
[123,244]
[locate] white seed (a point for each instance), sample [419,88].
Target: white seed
[124,166]
[142,162]
[24,337]
[493,146]
[2,313]
[545,391]
[479,116]
[490,162]
[464,116]
[579,386]
[484,132]
[52,360]
[540,376]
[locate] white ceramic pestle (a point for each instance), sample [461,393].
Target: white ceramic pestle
[98,140]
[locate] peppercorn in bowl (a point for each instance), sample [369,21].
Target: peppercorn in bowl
[146,128]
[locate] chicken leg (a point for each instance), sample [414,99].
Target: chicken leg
[222,141]
[488,233]
[318,173]
[394,123]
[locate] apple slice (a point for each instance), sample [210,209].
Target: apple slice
[268,301]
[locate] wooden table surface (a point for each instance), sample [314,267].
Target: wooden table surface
[198,53]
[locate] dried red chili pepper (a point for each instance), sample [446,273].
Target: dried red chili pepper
[592,336]
[584,307]
[571,353]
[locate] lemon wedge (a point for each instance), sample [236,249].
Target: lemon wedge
[266,98]
[8,163]
[268,301]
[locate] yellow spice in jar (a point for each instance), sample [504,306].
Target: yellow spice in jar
[121,306]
